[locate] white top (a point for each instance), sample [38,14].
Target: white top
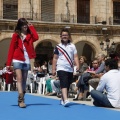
[110,81]
[62,62]
[4,70]
[44,67]
[49,68]
[1,72]
[27,60]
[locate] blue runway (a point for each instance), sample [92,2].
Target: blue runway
[40,108]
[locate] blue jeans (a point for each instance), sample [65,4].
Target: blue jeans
[22,66]
[100,99]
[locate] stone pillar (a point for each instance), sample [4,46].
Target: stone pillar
[101,9]
[1,9]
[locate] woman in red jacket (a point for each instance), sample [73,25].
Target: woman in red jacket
[20,52]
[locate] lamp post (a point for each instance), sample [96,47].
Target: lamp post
[101,45]
[108,47]
[113,45]
[107,44]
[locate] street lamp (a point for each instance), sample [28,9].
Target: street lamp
[107,44]
[108,47]
[101,45]
[113,45]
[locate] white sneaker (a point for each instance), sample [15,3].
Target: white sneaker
[61,102]
[66,103]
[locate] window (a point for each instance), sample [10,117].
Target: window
[10,9]
[48,10]
[116,13]
[83,11]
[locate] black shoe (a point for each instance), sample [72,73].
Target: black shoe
[88,93]
[76,99]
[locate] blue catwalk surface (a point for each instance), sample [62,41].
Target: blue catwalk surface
[40,108]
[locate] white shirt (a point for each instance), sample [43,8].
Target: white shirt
[110,81]
[1,72]
[62,63]
[27,60]
[49,68]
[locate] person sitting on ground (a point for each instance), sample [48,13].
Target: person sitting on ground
[107,94]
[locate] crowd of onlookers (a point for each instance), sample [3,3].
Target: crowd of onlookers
[88,75]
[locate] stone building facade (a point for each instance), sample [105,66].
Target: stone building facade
[89,21]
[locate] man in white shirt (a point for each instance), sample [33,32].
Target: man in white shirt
[110,83]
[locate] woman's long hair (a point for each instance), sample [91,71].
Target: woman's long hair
[21,22]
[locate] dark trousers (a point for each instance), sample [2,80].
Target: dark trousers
[66,78]
[83,82]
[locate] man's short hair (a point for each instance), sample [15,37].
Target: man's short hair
[112,63]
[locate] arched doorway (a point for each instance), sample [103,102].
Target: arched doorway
[118,48]
[44,51]
[85,49]
[4,46]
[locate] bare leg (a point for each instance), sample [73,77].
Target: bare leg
[64,94]
[19,80]
[20,88]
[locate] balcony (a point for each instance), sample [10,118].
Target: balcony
[48,17]
[58,18]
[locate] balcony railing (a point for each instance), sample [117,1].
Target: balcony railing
[58,18]
[46,17]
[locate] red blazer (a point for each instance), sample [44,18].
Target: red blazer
[16,46]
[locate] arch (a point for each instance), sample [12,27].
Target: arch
[118,48]
[44,50]
[1,40]
[86,49]
[4,46]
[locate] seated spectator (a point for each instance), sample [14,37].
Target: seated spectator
[83,67]
[82,84]
[58,89]
[50,66]
[54,88]
[34,73]
[36,66]
[48,85]
[83,64]
[44,67]
[97,74]
[29,80]
[1,73]
[110,83]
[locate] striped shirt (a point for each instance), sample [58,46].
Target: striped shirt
[65,56]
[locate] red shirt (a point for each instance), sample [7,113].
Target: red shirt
[16,46]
